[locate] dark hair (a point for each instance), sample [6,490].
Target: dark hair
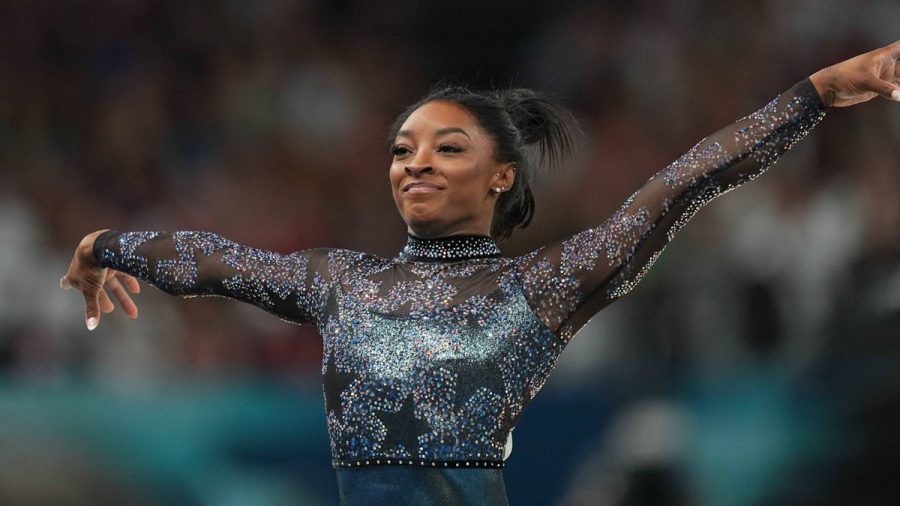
[520,121]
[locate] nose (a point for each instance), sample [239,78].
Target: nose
[416,171]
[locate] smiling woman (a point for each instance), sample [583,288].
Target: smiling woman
[430,357]
[475,148]
[442,176]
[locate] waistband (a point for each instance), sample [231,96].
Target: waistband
[381,461]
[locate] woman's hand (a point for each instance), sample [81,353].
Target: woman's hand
[86,275]
[861,78]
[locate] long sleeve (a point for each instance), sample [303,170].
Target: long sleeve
[190,264]
[569,281]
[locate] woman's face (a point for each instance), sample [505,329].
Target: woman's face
[443,172]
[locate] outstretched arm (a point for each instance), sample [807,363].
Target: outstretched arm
[569,281]
[191,264]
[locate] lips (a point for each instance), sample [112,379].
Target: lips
[422,187]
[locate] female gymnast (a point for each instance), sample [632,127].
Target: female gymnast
[431,356]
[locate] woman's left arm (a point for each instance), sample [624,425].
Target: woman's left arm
[567,282]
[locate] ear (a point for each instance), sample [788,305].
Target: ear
[504,176]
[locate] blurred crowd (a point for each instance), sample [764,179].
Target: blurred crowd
[757,363]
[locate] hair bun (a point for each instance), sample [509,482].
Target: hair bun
[540,121]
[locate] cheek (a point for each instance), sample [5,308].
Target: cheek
[469,184]
[395,175]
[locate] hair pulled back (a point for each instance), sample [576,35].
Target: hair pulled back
[526,128]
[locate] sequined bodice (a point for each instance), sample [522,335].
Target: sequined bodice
[431,357]
[451,355]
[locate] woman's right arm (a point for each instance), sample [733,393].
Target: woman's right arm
[191,264]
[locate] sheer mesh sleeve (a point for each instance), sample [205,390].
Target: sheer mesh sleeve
[569,281]
[190,264]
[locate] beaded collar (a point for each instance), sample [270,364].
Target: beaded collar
[454,247]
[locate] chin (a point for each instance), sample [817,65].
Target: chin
[417,223]
[418,214]
[423,227]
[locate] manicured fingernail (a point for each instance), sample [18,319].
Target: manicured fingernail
[896,95]
[92,323]
[62,282]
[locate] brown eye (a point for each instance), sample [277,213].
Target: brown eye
[398,150]
[449,148]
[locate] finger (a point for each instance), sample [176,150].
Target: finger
[106,305]
[132,283]
[64,282]
[91,310]
[884,88]
[895,49]
[122,296]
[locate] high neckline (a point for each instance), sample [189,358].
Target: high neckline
[449,248]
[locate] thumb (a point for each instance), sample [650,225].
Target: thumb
[92,309]
[884,88]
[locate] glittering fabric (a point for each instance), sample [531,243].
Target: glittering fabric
[431,357]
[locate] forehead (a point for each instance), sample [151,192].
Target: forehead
[440,114]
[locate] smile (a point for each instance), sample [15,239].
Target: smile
[421,188]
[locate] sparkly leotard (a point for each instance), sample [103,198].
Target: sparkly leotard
[430,357]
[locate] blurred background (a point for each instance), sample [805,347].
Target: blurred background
[757,363]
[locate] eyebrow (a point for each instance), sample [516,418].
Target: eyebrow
[438,133]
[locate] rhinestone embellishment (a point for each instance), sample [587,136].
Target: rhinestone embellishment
[455,247]
[418,462]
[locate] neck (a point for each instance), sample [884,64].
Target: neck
[432,230]
[430,237]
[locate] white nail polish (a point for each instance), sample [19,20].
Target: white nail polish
[896,95]
[91,323]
